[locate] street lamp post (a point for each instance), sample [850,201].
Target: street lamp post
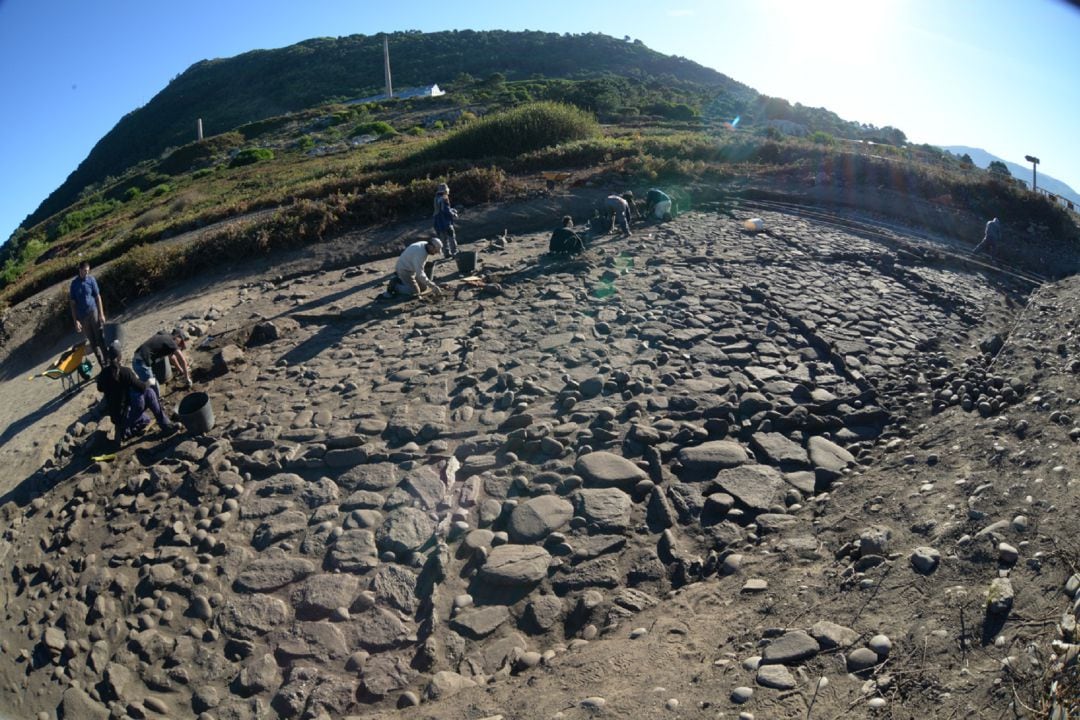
[1034,161]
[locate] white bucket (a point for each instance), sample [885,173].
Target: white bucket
[754,224]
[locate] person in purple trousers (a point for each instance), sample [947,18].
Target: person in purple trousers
[128,399]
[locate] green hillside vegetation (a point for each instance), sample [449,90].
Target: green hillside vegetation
[320,170]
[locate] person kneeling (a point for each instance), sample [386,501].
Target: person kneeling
[127,399]
[564,241]
[658,205]
[410,274]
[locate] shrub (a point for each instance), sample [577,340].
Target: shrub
[200,153]
[249,156]
[580,153]
[823,138]
[416,130]
[520,130]
[672,111]
[78,218]
[202,173]
[31,250]
[377,127]
[151,217]
[162,189]
[132,193]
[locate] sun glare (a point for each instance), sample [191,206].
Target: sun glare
[837,31]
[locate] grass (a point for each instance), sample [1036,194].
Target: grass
[319,196]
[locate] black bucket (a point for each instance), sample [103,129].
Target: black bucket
[196,413]
[466,261]
[113,332]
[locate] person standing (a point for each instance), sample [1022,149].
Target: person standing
[410,277]
[87,310]
[162,345]
[443,221]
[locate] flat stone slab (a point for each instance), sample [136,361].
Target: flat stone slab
[790,647]
[776,449]
[516,565]
[321,641]
[354,551]
[536,518]
[827,457]
[269,574]
[605,509]
[481,622]
[371,476]
[702,462]
[777,677]
[278,527]
[248,616]
[375,630]
[404,530]
[320,595]
[830,635]
[759,487]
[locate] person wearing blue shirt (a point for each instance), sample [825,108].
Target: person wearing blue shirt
[88,312]
[443,221]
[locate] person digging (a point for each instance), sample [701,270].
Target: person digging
[411,274]
[129,400]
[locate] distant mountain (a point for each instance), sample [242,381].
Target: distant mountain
[1021,172]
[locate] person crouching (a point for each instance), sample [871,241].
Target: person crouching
[410,275]
[127,399]
[564,241]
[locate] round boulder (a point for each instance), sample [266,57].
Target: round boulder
[604,469]
[534,519]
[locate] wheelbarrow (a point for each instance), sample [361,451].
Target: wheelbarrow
[553,178]
[72,368]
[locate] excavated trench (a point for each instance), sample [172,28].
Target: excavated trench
[399,503]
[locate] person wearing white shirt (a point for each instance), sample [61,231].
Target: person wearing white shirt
[410,276]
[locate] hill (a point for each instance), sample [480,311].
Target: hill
[232,92]
[228,93]
[982,159]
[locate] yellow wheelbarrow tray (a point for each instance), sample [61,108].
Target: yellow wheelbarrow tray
[71,368]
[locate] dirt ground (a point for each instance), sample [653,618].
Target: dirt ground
[902,551]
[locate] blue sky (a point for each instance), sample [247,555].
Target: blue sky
[995,74]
